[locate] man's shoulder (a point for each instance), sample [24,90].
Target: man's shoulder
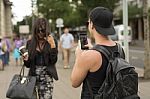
[91,54]
[70,34]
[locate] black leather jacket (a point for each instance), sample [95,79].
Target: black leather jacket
[50,58]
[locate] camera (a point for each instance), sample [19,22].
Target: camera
[83,41]
[23,50]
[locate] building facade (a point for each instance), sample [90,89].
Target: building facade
[5,18]
[136,21]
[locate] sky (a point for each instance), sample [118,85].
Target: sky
[20,9]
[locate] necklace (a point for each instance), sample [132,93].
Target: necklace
[41,45]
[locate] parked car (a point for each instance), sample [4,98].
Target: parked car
[119,36]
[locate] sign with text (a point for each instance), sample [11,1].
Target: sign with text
[24,29]
[59,22]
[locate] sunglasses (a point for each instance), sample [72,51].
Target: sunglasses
[41,31]
[87,23]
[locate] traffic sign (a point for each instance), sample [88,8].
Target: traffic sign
[59,21]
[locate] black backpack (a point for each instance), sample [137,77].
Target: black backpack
[121,80]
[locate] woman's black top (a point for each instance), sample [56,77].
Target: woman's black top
[39,59]
[96,78]
[47,57]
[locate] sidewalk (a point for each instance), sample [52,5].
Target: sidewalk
[62,87]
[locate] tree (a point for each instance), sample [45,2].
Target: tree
[133,11]
[53,9]
[74,13]
[87,5]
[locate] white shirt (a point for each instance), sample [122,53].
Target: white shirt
[67,40]
[1,52]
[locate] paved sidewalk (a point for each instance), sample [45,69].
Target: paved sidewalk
[63,88]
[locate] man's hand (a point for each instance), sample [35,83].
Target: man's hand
[51,41]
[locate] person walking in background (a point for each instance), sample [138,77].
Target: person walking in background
[66,43]
[42,57]
[91,64]
[2,53]
[17,43]
[7,53]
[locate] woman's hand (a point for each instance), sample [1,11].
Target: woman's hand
[51,41]
[25,57]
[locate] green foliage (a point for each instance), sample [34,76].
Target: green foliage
[133,11]
[74,13]
[89,4]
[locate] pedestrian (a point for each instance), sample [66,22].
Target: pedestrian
[42,57]
[17,44]
[2,53]
[9,49]
[91,64]
[66,43]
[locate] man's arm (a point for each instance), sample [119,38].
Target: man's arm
[85,62]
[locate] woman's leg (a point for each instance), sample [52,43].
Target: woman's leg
[44,83]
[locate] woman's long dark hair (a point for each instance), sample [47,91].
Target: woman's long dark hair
[39,23]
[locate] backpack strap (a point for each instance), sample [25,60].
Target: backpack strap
[103,50]
[119,48]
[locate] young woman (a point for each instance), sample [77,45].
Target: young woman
[42,49]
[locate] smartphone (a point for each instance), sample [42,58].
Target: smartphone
[83,41]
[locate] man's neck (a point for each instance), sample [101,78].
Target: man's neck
[102,40]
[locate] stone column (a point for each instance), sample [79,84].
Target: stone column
[8,21]
[0,16]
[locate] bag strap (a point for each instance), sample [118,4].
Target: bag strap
[107,53]
[22,71]
[120,51]
[103,50]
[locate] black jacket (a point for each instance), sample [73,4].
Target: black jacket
[50,57]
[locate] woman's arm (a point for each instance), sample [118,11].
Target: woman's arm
[53,55]
[53,51]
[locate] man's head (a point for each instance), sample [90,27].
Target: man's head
[101,19]
[66,30]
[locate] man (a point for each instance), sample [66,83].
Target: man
[66,43]
[91,64]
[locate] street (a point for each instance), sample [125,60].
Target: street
[136,58]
